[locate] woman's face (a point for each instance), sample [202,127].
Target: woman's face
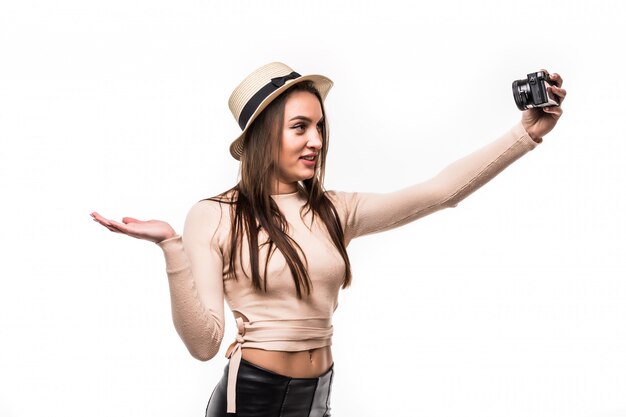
[301,137]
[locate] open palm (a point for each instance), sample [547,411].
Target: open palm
[152,230]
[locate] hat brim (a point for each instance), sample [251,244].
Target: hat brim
[322,83]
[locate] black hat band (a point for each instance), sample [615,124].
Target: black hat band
[262,94]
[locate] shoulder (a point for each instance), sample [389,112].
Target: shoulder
[218,203]
[335,196]
[209,213]
[204,208]
[342,200]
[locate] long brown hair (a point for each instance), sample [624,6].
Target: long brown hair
[253,209]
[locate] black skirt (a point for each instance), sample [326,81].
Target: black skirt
[263,393]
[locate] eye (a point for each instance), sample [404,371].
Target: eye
[300,127]
[320,126]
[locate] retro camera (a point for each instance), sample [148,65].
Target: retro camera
[533,91]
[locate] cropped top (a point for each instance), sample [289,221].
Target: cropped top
[197,261]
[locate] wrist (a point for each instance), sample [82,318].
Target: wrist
[535,138]
[531,133]
[162,241]
[174,252]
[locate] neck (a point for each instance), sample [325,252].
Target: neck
[285,188]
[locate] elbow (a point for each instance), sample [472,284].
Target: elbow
[450,200]
[451,203]
[206,349]
[203,345]
[443,193]
[204,355]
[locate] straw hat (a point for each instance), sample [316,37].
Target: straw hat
[259,89]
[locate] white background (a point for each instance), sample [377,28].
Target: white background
[511,304]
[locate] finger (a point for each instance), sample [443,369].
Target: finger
[557,79]
[99,218]
[553,110]
[108,222]
[108,226]
[559,91]
[130,220]
[120,226]
[112,229]
[553,77]
[112,225]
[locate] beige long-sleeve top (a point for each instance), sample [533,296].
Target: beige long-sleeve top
[196,263]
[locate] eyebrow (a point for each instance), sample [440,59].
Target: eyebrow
[307,119]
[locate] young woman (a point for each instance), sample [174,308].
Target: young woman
[274,245]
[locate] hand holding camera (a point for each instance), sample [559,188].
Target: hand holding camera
[540,97]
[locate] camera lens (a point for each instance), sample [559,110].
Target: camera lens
[521,93]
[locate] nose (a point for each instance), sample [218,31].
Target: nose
[315,139]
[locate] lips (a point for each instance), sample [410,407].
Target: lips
[310,157]
[309,163]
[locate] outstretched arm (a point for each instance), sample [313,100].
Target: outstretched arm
[194,270]
[364,213]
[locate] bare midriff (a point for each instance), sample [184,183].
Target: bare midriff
[304,364]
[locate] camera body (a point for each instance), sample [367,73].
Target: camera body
[533,91]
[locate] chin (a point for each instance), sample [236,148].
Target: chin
[301,175]
[307,176]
